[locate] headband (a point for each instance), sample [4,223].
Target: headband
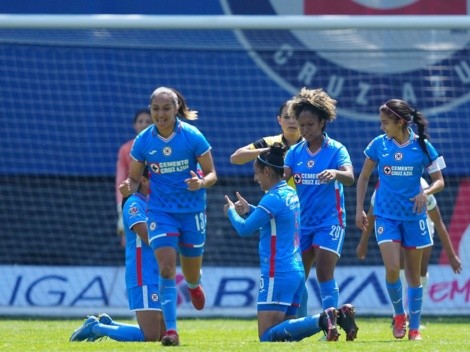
[265,162]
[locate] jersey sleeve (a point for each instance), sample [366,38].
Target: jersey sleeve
[343,157]
[289,158]
[437,162]
[246,227]
[202,146]
[259,143]
[135,212]
[137,149]
[371,150]
[437,165]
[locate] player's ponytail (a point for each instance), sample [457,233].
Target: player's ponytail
[183,109]
[421,123]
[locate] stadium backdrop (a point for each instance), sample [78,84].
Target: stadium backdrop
[67,98]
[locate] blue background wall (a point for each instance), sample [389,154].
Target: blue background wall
[66,103]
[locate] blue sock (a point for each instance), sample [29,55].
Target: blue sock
[396,296]
[168,296]
[293,330]
[121,332]
[329,292]
[302,311]
[116,323]
[415,301]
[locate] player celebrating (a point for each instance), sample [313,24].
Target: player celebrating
[400,204]
[282,274]
[176,210]
[320,167]
[141,281]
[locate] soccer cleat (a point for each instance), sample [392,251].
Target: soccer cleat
[399,326]
[414,335]
[105,319]
[346,320]
[170,338]
[328,324]
[84,331]
[198,297]
[421,325]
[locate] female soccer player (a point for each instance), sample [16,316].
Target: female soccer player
[400,204]
[435,224]
[290,135]
[177,220]
[320,167]
[141,281]
[282,273]
[140,122]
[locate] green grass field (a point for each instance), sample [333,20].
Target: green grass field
[444,334]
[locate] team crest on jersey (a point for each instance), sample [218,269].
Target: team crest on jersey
[353,65]
[167,151]
[398,156]
[310,163]
[133,210]
[387,170]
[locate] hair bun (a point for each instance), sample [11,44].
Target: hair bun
[278,149]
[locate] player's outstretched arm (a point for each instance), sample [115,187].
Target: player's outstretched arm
[245,154]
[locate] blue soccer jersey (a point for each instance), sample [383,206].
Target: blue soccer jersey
[321,204]
[141,265]
[399,169]
[170,161]
[277,218]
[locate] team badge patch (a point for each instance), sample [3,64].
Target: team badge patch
[167,151]
[398,156]
[133,210]
[408,66]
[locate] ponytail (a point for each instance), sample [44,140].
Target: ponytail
[419,120]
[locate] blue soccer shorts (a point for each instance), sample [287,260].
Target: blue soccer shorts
[185,232]
[330,238]
[410,233]
[144,297]
[282,292]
